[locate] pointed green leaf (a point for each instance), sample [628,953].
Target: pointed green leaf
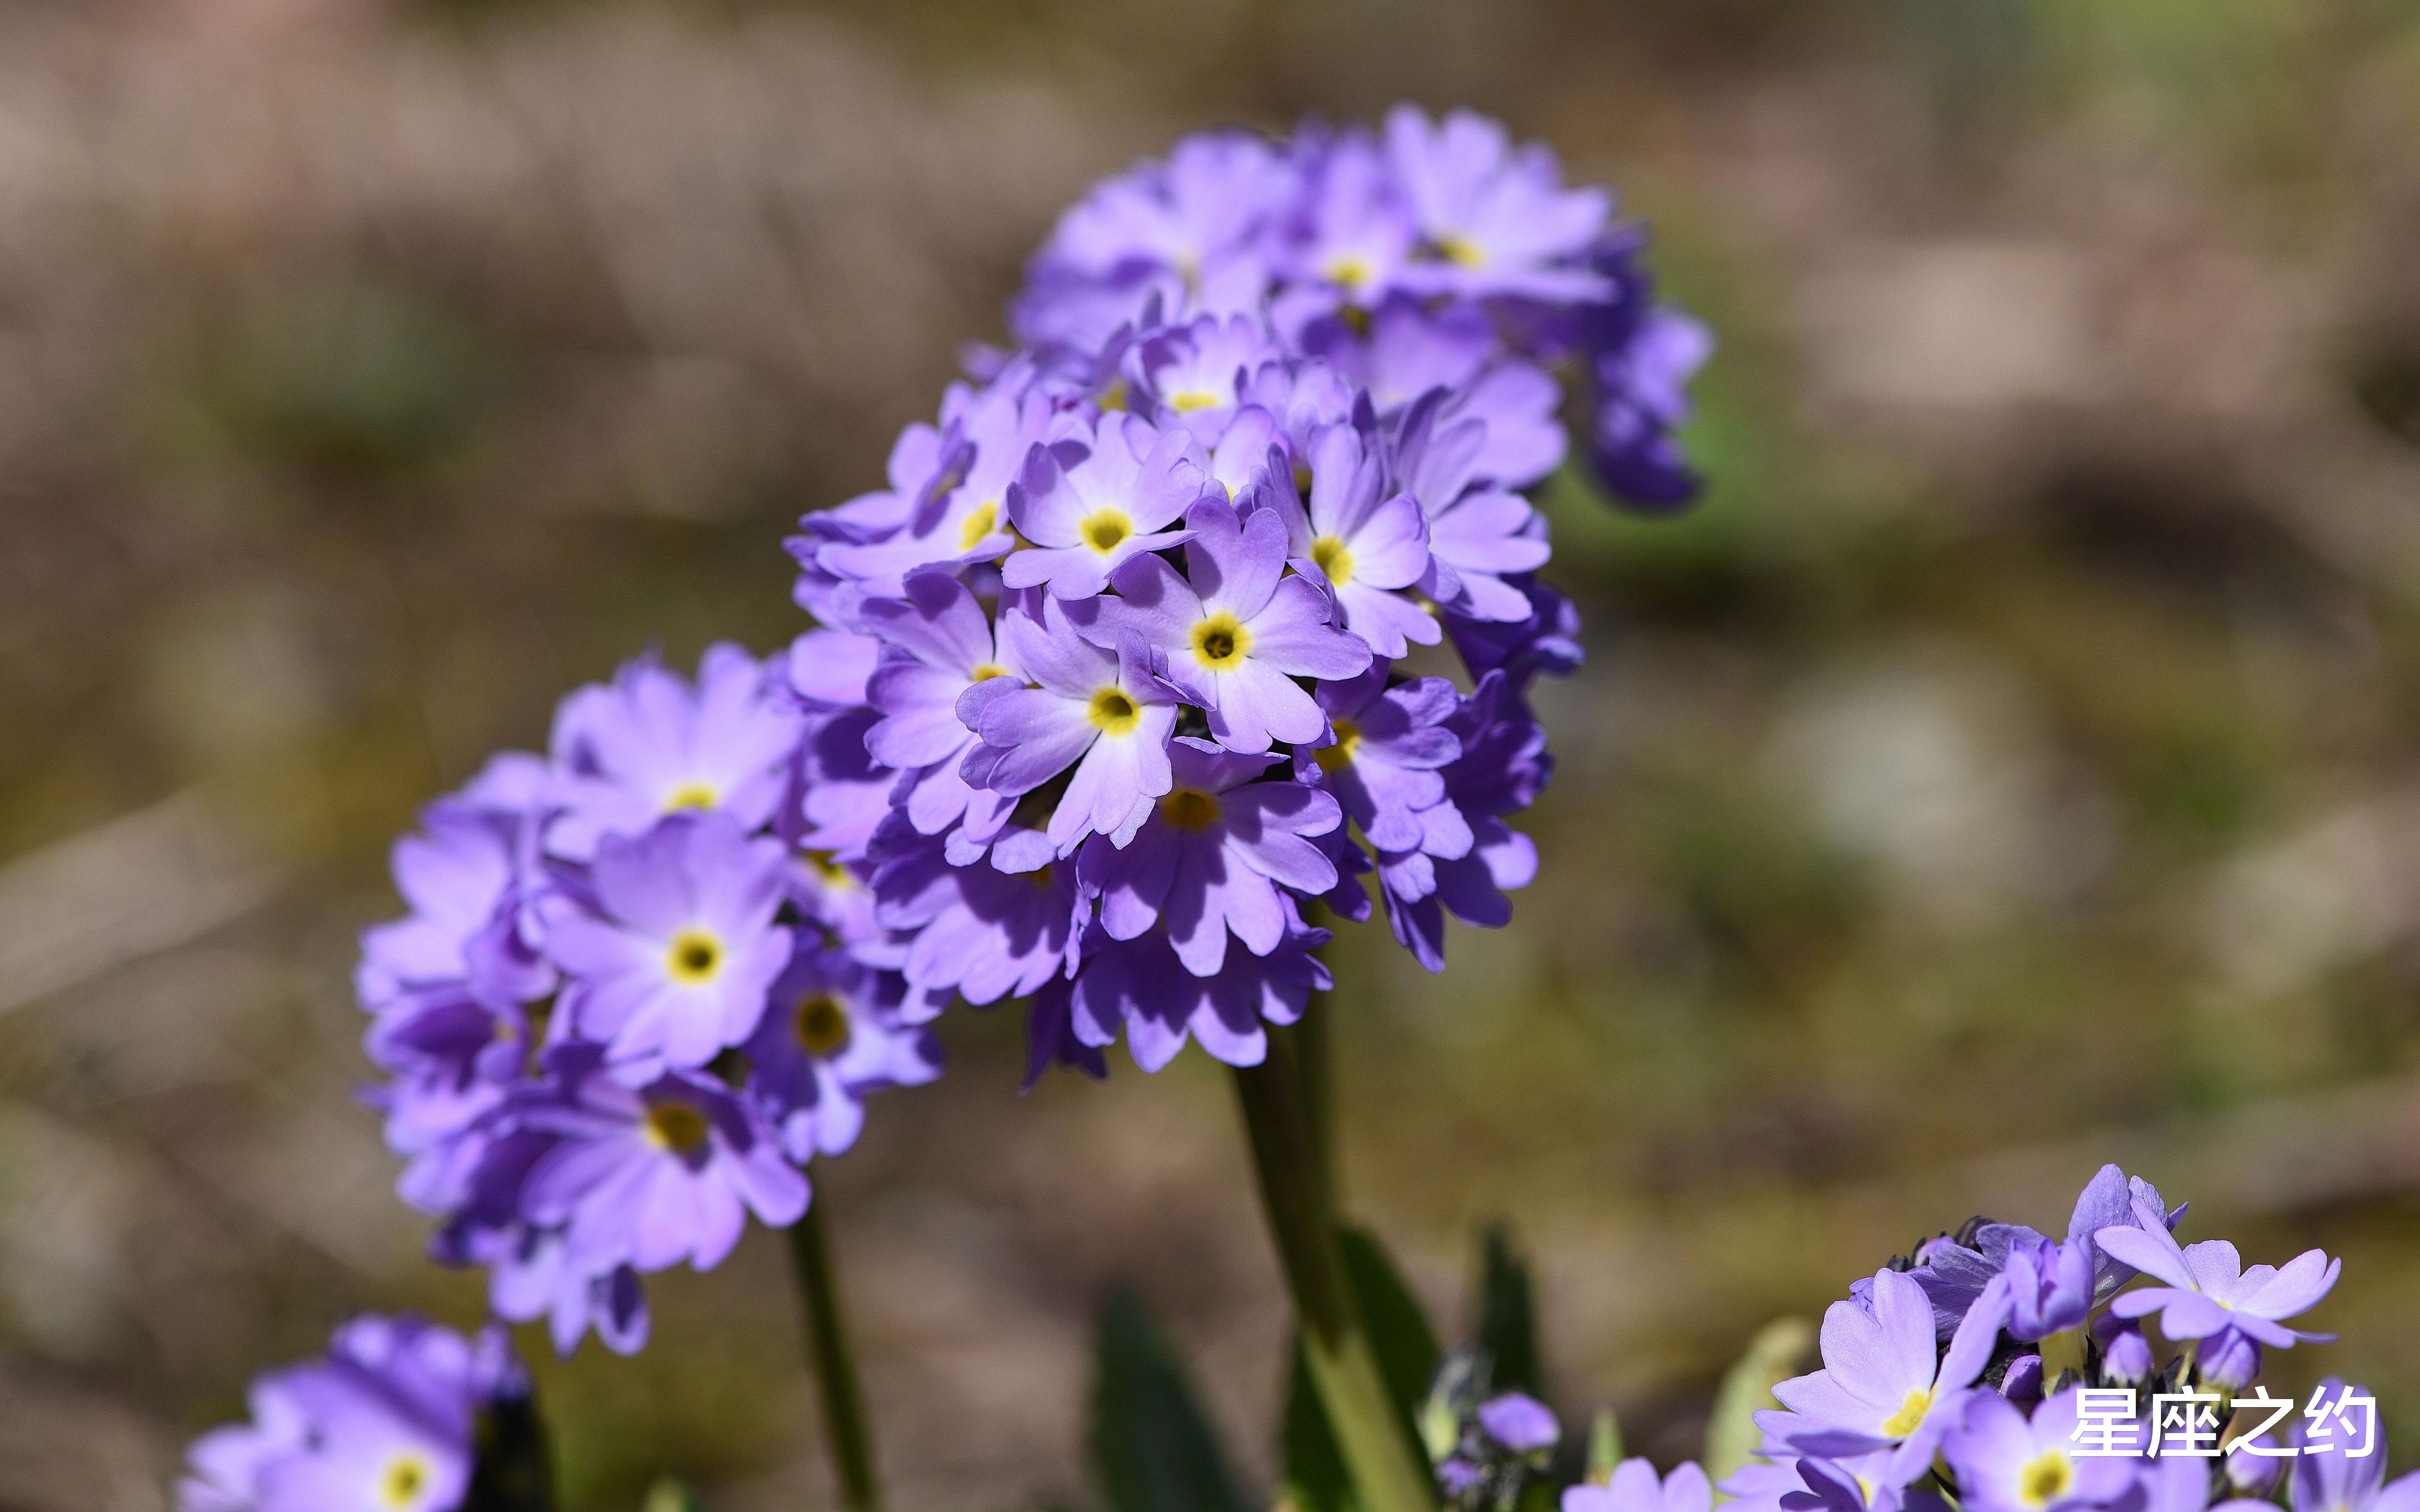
[1152,1447]
[1777,1353]
[1508,1322]
[1604,1447]
[1407,1348]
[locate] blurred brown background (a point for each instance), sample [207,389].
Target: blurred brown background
[2014,765]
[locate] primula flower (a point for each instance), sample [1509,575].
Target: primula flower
[649,745]
[1140,986]
[1498,216]
[1196,372]
[1479,534]
[1100,711]
[2332,1480]
[958,515]
[1231,635]
[472,876]
[1520,1422]
[985,931]
[2005,1463]
[939,644]
[1365,545]
[1090,514]
[1383,766]
[831,1034]
[2053,1284]
[654,1175]
[2208,1293]
[1213,857]
[673,964]
[386,1422]
[1884,1384]
[1635,1488]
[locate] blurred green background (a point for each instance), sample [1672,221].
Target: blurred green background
[2013,764]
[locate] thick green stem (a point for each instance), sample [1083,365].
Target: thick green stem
[847,1428]
[1313,1058]
[1379,1451]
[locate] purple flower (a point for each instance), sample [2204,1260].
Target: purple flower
[982,928]
[673,964]
[1548,640]
[1478,534]
[1520,1423]
[2207,1292]
[384,1423]
[2005,1463]
[473,879]
[1140,985]
[2330,1480]
[1088,515]
[654,1174]
[1641,356]
[1383,763]
[647,745]
[1103,713]
[2053,1284]
[1365,545]
[1884,1384]
[1196,372]
[2125,1354]
[1635,1488]
[958,515]
[939,644]
[831,1036]
[1498,217]
[1233,634]
[1212,858]
[1355,232]
[1502,767]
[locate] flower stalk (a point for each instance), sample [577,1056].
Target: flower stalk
[848,1428]
[1385,1461]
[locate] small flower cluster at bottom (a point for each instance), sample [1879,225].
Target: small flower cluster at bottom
[2002,1371]
[390,1419]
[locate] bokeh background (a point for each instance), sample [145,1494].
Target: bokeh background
[2013,764]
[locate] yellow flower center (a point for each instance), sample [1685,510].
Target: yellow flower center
[1221,642]
[1113,397]
[690,795]
[1111,711]
[828,870]
[1349,271]
[1334,559]
[1189,810]
[1103,529]
[821,1025]
[1339,756]
[1185,401]
[1461,250]
[695,958]
[2045,1479]
[983,671]
[985,520]
[405,1480]
[1911,1412]
[675,1126]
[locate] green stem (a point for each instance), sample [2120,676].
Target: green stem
[1385,1461]
[847,1428]
[1313,1060]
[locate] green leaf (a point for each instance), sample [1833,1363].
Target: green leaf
[1508,1319]
[1776,1354]
[1604,1447]
[1153,1447]
[1407,1348]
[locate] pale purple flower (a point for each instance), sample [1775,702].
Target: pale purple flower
[1099,711]
[1365,544]
[1641,356]
[2335,1481]
[656,1175]
[385,1422]
[1383,766]
[2007,1463]
[1884,1383]
[1140,986]
[1233,635]
[987,931]
[939,644]
[1212,855]
[2207,1292]
[831,1035]
[473,879]
[1088,513]
[673,963]
[1498,216]
[1635,1488]
[648,744]
[1520,1423]
[2053,1284]
[1355,233]
[1479,534]
[960,515]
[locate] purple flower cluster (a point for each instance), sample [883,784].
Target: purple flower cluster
[2004,1370]
[632,999]
[1144,647]
[389,1420]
